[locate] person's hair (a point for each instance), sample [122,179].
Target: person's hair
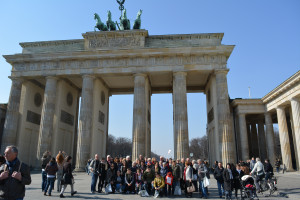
[112,165]
[68,158]
[45,154]
[267,160]
[52,160]
[59,158]
[239,165]
[229,165]
[187,163]
[138,169]
[116,160]
[128,168]
[220,162]
[13,148]
[257,159]
[157,173]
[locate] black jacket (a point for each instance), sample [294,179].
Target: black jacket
[228,183]
[11,188]
[237,178]
[218,174]
[67,173]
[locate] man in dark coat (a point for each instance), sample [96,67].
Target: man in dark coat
[218,174]
[228,181]
[14,175]
[102,174]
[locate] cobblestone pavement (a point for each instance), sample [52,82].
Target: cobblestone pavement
[288,183]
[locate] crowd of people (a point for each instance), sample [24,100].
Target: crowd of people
[164,177]
[144,176]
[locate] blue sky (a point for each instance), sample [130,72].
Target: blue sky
[266,34]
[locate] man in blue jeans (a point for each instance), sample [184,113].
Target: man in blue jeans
[202,170]
[218,174]
[94,168]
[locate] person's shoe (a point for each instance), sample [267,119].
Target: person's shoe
[221,197]
[45,194]
[99,191]
[93,192]
[72,194]
[61,196]
[49,194]
[204,197]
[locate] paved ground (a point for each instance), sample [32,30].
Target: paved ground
[288,183]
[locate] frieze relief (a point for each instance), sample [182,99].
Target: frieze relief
[114,42]
[121,62]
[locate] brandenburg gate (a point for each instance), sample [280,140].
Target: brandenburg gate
[51,79]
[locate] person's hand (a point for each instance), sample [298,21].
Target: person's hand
[190,180]
[250,173]
[4,175]
[17,175]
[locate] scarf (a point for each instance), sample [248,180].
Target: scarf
[11,164]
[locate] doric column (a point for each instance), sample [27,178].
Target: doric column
[270,137]
[295,104]
[284,138]
[249,140]
[254,138]
[9,136]
[181,135]
[224,118]
[139,116]
[85,122]
[243,137]
[48,110]
[262,140]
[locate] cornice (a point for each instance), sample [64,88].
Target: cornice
[237,102]
[287,84]
[50,43]
[224,50]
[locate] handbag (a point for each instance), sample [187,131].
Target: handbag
[191,188]
[108,188]
[205,182]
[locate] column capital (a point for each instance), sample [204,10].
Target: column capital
[280,107]
[17,79]
[52,77]
[221,71]
[241,114]
[295,99]
[88,76]
[179,73]
[140,74]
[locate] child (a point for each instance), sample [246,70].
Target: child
[138,180]
[129,182]
[169,182]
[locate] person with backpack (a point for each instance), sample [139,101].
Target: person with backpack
[14,175]
[51,170]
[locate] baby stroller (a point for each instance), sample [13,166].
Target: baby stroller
[248,188]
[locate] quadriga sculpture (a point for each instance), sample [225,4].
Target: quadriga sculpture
[125,23]
[137,22]
[110,24]
[100,25]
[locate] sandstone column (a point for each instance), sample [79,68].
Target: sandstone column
[270,138]
[243,137]
[284,138]
[249,140]
[254,138]
[12,114]
[139,116]
[262,141]
[295,104]
[181,135]
[85,122]
[48,110]
[224,118]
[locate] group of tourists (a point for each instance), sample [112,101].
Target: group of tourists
[167,177]
[144,176]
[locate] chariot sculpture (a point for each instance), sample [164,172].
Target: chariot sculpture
[124,21]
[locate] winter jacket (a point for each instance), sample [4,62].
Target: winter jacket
[202,170]
[268,168]
[148,176]
[129,178]
[11,188]
[45,161]
[110,176]
[94,166]
[258,167]
[159,182]
[164,171]
[176,172]
[67,173]
[51,169]
[188,174]
[218,174]
[228,181]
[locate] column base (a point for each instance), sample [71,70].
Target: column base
[79,170]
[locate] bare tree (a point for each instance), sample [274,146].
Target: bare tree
[199,147]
